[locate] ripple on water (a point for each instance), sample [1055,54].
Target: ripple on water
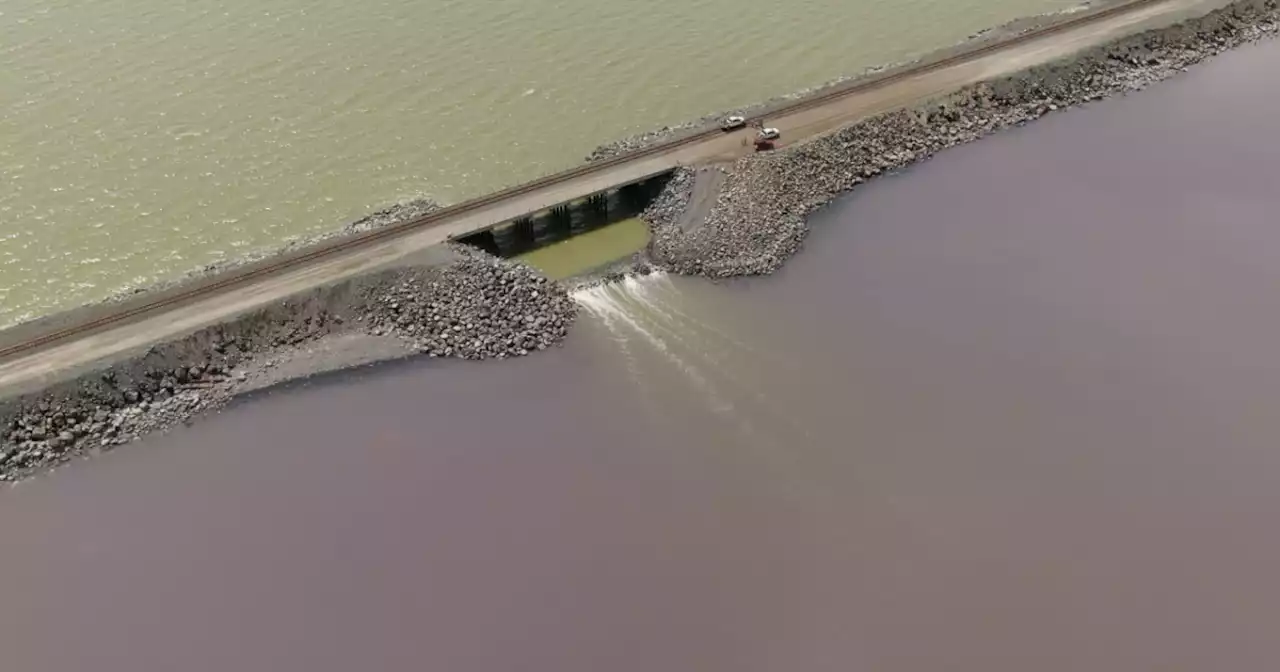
[156,138]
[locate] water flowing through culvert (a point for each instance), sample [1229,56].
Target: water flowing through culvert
[633,312]
[650,307]
[651,321]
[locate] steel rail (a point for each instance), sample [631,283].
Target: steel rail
[334,246]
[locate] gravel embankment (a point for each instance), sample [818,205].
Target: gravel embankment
[759,219]
[474,307]
[639,141]
[642,140]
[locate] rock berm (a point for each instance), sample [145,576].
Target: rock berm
[474,307]
[759,219]
[400,212]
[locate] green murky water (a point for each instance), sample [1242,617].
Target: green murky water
[582,253]
[141,139]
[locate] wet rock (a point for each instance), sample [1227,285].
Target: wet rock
[478,307]
[400,212]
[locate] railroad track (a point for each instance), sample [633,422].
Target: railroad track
[235,278]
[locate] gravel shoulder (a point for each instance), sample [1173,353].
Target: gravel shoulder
[470,306]
[707,184]
[991,35]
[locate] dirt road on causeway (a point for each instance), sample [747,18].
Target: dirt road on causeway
[211,300]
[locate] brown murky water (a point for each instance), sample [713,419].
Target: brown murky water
[1015,410]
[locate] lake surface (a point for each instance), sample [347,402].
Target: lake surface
[142,139]
[1012,410]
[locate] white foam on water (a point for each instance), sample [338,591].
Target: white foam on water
[660,294]
[644,314]
[631,314]
[594,303]
[647,310]
[644,310]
